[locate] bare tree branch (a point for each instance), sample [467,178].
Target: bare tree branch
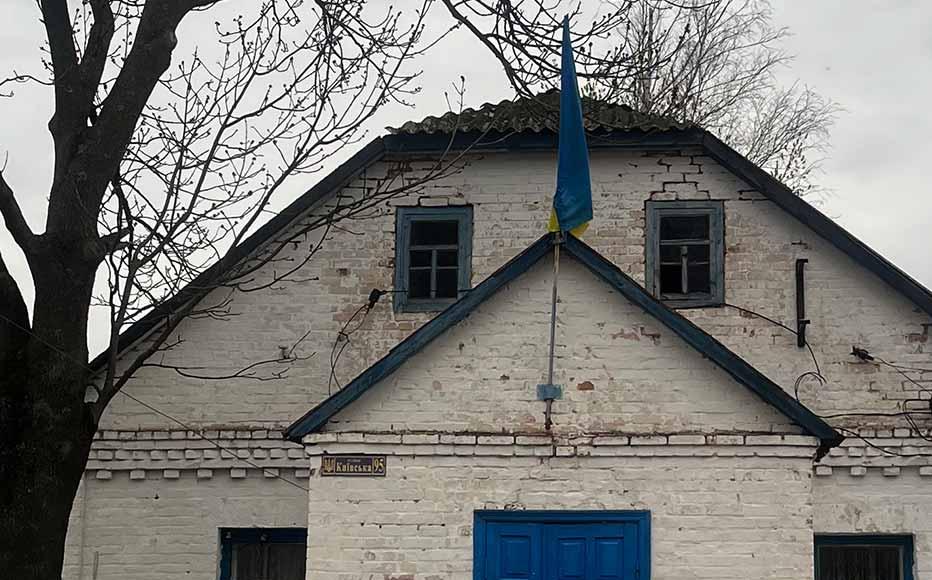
[715,64]
[13,217]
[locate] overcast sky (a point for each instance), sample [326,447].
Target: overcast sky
[872,57]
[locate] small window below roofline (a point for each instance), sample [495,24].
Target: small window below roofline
[870,556]
[431,274]
[272,553]
[702,255]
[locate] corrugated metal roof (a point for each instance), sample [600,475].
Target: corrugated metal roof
[537,114]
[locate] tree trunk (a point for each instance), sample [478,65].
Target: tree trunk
[46,429]
[38,481]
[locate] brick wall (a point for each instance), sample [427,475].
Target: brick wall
[711,517]
[166,525]
[622,371]
[878,501]
[510,196]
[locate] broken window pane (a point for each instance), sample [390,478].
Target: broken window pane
[420,258]
[447,257]
[693,227]
[419,283]
[447,282]
[434,233]
[670,254]
[697,278]
[697,254]
[671,279]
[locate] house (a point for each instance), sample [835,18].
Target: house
[744,386]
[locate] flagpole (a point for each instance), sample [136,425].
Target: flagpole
[558,241]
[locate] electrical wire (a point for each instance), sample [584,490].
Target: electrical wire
[864,355]
[343,335]
[342,340]
[157,411]
[815,361]
[907,377]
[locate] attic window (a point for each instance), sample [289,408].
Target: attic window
[685,252]
[432,257]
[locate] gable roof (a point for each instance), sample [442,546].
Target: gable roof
[697,338]
[520,134]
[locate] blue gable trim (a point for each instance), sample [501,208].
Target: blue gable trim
[734,365]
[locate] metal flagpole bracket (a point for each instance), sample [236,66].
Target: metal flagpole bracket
[549,392]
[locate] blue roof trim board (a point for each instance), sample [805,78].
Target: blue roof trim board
[712,349]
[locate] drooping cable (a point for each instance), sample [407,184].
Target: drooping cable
[343,335]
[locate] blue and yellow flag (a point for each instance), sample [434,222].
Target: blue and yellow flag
[572,202]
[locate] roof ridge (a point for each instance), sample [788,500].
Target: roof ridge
[524,113]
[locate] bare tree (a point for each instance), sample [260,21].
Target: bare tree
[161,169]
[715,64]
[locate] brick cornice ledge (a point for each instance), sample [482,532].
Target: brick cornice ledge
[654,445]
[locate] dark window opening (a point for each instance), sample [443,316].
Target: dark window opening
[433,264]
[855,557]
[263,554]
[685,252]
[433,257]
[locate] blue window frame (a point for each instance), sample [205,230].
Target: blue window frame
[685,252]
[864,557]
[433,257]
[554,545]
[263,553]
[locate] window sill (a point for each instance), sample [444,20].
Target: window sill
[424,305]
[686,303]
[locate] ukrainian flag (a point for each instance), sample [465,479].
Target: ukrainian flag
[572,202]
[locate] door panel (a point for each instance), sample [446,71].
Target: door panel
[568,554]
[589,552]
[513,552]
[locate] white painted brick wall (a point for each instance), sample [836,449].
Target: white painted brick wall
[874,504]
[166,529]
[622,371]
[710,517]
[510,195]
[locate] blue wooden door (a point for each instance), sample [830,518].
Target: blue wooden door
[556,551]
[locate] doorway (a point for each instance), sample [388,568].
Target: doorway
[561,545]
